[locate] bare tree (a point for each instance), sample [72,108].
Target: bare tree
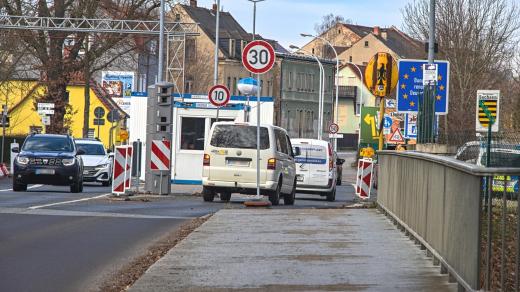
[478,38]
[329,21]
[47,47]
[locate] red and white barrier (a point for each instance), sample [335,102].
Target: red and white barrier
[160,158]
[3,170]
[122,169]
[364,179]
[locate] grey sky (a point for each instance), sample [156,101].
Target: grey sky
[284,20]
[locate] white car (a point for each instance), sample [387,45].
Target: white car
[316,171]
[230,162]
[96,160]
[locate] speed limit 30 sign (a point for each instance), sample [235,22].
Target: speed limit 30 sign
[258,57]
[219,95]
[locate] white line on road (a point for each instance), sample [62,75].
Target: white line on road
[70,202]
[31,187]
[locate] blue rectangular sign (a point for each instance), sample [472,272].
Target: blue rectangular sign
[410,86]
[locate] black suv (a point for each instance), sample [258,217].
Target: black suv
[48,159]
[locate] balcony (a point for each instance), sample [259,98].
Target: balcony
[347,91]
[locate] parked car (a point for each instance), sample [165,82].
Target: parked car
[229,164]
[50,160]
[96,161]
[316,171]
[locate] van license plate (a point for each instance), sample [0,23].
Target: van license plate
[238,163]
[299,178]
[44,171]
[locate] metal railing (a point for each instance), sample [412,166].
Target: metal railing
[464,215]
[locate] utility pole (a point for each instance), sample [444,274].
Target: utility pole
[426,113]
[161,44]
[217,31]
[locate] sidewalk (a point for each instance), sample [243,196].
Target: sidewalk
[295,250]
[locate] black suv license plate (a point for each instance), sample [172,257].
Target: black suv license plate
[44,171]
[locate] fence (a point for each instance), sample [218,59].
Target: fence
[444,205]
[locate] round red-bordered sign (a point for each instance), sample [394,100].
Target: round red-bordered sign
[333,128]
[258,57]
[219,95]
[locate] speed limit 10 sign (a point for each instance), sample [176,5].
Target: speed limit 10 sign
[219,95]
[258,57]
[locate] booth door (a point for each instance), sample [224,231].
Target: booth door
[190,147]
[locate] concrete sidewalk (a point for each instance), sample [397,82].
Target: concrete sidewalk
[295,250]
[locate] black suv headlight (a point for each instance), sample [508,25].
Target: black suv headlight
[22,160]
[68,161]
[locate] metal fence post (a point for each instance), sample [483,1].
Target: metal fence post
[503,254]
[489,234]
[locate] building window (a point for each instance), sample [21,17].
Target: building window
[313,51]
[192,133]
[350,59]
[300,124]
[366,44]
[177,17]
[243,45]
[290,83]
[268,93]
[191,49]
[234,86]
[229,83]
[232,47]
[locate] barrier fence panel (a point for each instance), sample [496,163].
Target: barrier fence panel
[444,205]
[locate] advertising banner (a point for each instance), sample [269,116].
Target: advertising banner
[118,83]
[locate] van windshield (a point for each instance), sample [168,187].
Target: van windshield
[239,136]
[311,154]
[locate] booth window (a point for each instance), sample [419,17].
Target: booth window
[192,133]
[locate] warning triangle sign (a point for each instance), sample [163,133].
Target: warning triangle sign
[396,137]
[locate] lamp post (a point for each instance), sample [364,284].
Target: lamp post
[161,44]
[336,117]
[320,92]
[360,99]
[257,111]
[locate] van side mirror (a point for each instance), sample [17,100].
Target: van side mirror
[340,161]
[15,150]
[297,151]
[109,150]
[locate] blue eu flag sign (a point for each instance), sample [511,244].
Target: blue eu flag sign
[410,86]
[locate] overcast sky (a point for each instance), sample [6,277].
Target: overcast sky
[284,20]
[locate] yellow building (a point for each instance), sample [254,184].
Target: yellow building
[21,95]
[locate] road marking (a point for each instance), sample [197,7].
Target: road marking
[51,212]
[29,188]
[69,202]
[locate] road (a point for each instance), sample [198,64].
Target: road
[53,240]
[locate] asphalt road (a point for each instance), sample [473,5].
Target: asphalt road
[53,240]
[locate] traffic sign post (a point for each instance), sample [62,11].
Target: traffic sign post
[219,96]
[381,78]
[258,58]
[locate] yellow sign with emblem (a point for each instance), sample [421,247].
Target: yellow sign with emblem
[381,74]
[488,103]
[123,135]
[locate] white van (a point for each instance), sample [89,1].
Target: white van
[315,168]
[229,164]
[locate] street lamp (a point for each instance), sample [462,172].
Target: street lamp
[161,43]
[320,92]
[257,111]
[336,117]
[360,99]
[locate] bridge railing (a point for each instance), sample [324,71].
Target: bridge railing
[458,213]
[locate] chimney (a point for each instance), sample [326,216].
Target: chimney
[376,30]
[214,8]
[193,3]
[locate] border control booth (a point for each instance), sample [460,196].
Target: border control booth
[193,116]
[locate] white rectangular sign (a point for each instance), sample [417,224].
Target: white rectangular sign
[45,105]
[45,111]
[46,120]
[430,72]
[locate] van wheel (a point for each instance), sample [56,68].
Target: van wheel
[274,197]
[207,194]
[331,196]
[76,187]
[225,196]
[288,199]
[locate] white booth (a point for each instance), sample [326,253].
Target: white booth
[193,116]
